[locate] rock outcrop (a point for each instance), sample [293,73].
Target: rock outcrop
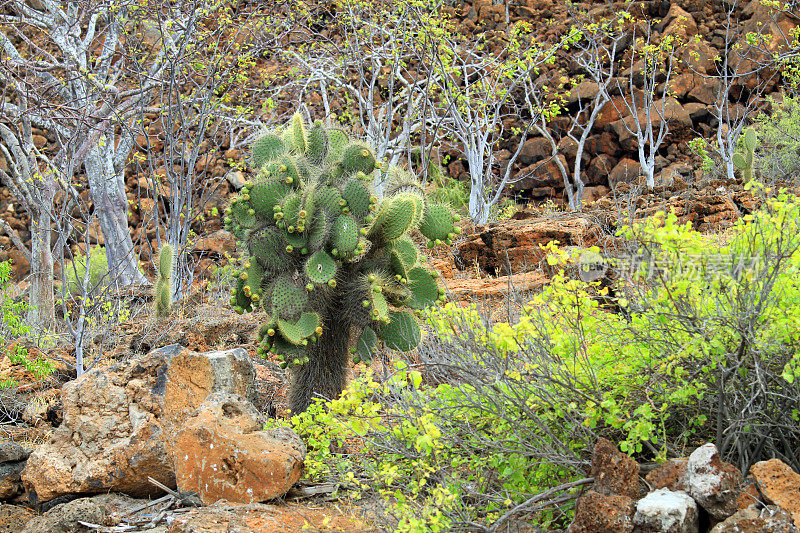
[119,422]
[513,246]
[688,495]
[770,519]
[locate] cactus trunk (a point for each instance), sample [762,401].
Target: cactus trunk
[325,373]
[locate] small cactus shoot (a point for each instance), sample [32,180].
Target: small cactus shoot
[744,160]
[331,265]
[163,288]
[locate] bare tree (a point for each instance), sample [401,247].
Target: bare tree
[85,76]
[594,51]
[748,65]
[205,105]
[368,61]
[647,107]
[476,102]
[32,182]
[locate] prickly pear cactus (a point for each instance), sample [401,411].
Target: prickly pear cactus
[331,265]
[744,160]
[163,288]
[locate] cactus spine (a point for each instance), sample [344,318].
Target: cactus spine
[163,288]
[331,265]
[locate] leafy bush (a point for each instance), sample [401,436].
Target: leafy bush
[448,190]
[696,342]
[778,156]
[98,271]
[14,327]
[443,456]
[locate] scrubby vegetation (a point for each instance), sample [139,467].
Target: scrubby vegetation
[703,346]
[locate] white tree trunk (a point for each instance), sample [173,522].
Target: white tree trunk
[41,288]
[107,188]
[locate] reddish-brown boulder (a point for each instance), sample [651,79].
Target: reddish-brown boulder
[779,484]
[221,453]
[598,513]
[626,171]
[535,149]
[119,421]
[668,475]
[613,471]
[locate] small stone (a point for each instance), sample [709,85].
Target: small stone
[665,511]
[64,518]
[770,519]
[13,518]
[11,452]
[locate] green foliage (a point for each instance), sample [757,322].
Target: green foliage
[778,153]
[698,344]
[163,287]
[321,248]
[446,190]
[424,450]
[13,326]
[98,271]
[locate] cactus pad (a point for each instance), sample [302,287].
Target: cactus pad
[423,288]
[402,332]
[288,297]
[298,130]
[357,196]
[402,255]
[318,231]
[267,148]
[397,215]
[329,198]
[337,142]
[344,234]
[265,196]
[437,222]
[269,248]
[317,144]
[303,328]
[320,267]
[357,158]
[367,345]
[379,306]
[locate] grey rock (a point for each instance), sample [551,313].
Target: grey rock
[64,518]
[665,511]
